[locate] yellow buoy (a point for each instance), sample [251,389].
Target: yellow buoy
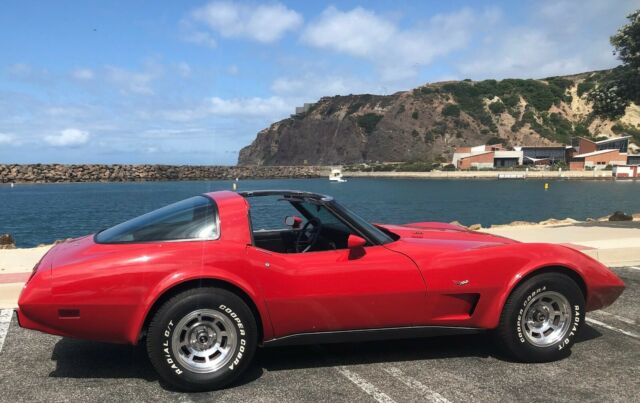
[235,186]
[546,186]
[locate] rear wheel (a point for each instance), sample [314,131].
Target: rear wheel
[541,318]
[202,339]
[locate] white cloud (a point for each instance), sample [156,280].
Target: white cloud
[270,108]
[68,138]
[397,53]
[131,81]
[184,69]
[6,139]
[263,23]
[200,38]
[233,70]
[83,74]
[309,87]
[558,37]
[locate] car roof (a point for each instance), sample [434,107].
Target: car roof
[286,193]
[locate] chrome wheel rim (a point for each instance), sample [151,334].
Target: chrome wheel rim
[546,319]
[204,341]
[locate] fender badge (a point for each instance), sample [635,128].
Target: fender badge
[461,282]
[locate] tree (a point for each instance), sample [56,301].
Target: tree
[627,41]
[612,96]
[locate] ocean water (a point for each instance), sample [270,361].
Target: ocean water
[42,213]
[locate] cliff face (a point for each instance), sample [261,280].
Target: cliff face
[428,122]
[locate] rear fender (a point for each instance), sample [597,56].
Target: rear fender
[176,279]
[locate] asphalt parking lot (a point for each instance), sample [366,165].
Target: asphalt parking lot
[604,366]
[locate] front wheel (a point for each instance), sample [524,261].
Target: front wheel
[202,339]
[541,318]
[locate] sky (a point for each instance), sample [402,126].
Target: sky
[192,82]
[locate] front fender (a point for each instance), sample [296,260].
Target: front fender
[488,275]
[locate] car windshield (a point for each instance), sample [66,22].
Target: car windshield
[194,218]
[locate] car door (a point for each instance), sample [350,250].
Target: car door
[370,287]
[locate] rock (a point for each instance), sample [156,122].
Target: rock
[475,227]
[41,173]
[620,216]
[521,223]
[57,241]
[456,223]
[589,219]
[636,217]
[7,241]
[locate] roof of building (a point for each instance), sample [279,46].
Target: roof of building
[562,146]
[607,140]
[615,150]
[475,155]
[612,139]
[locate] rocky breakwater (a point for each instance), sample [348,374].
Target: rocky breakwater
[50,173]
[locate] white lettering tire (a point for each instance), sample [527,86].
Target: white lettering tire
[202,339]
[541,318]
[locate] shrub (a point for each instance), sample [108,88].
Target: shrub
[369,121]
[584,87]
[451,110]
[414,114]
[496,140]
[417,166]
[497,107]
[449,167]
[511,100]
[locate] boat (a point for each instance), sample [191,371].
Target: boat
[336,176]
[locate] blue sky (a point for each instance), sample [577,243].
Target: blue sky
[192,82]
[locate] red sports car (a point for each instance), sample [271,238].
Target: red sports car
[207,280]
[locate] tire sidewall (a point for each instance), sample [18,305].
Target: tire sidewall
[537,285]
[164,358]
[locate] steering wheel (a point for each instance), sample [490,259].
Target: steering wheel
[308,235]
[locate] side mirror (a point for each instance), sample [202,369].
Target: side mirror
[355,242]
[293,221]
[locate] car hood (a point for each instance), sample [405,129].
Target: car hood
[441,237]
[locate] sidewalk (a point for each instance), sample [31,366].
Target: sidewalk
[612,243]
[15,269]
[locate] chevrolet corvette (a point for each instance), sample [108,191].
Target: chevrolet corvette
[205,281]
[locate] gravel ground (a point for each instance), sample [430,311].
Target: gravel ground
[604,366]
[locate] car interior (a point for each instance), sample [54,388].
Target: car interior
[314,228]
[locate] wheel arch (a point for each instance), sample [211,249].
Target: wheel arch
[521,278]
[573,274]
[197,283]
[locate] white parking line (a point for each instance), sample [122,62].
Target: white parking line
[5,322]
[424,390]
[365,385]
[634,267]
[620,318]
[597,322]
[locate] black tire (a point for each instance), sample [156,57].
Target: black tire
[515,336]
[215,310]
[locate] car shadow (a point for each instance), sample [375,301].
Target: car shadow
[85,359]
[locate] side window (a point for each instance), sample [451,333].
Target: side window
[268,213]
[194,218]
[326,217]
